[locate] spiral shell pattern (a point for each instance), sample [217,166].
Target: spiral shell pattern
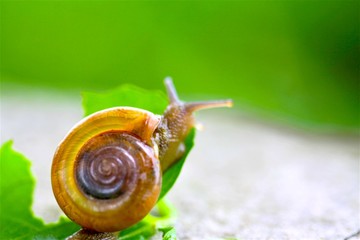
[106,166]
[106,175]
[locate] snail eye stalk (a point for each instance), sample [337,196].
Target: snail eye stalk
[193,106]
[171,90]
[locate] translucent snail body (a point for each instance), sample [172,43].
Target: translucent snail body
[106,173]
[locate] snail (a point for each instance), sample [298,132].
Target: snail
[106,173]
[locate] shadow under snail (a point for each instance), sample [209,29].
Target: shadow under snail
[106,173]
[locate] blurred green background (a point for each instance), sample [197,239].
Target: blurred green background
[293,61]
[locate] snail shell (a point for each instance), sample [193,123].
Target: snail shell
[106,174]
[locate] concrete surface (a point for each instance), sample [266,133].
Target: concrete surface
[244,179]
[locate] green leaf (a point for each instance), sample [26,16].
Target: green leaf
[18,222]
[164,218]
[141,230]
[170,176]
[17,184]
[16,189]
[169,233]
[154,101]
[125,95]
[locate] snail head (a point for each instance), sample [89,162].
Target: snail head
[177,122]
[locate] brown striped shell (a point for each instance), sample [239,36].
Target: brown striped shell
[106,174]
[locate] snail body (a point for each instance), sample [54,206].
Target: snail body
[106,173]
